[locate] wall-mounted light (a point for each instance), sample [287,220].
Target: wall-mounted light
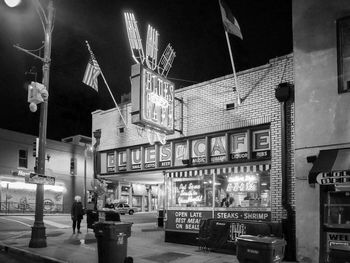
[48,156]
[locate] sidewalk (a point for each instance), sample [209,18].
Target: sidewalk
[145,245]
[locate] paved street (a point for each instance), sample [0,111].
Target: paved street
[18,225]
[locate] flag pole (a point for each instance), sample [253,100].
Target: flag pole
[233,68]
[104,79]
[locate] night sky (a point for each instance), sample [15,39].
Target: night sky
[193,27]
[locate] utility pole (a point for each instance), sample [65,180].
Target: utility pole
[38,237]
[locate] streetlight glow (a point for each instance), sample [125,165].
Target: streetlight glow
[12,3]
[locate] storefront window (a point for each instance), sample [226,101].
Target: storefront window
[245,189]
[191,192]
[337,209]
[251,189]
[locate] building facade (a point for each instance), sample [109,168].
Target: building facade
[221,151]
[64,161]
[322,139]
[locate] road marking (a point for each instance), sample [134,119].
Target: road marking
[17,221]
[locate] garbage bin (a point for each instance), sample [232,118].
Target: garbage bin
[112,241]
[91,217]
[161,218]
[112,216]
[260,249]
[339,254]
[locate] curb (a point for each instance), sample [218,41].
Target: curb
[32,255]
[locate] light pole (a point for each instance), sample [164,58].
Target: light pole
[38,237]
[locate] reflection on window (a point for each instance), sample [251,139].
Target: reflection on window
[251,189]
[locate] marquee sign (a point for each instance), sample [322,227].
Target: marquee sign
[152,95]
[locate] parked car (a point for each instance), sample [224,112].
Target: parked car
[124,208]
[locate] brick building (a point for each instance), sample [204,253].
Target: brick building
[246,149]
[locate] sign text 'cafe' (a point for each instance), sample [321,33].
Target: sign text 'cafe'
[221,148]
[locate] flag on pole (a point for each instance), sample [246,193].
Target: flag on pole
[230,23]
[91,73]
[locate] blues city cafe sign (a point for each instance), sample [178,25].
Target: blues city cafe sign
[152,95]
[152,99]
[205,150]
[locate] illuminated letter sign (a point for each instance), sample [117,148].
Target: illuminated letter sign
[136,159]
[239,146]
[165,155]
[218,149]
[110,162]
[150,157]
[199,149]
[152,100]
[181,153]
[122,161]
[261,144]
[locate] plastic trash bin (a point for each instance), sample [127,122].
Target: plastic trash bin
[112,216]
[91,217]
[260,249]
[161,218]
[112,241]
[339,254]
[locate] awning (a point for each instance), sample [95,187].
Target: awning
[221,170]
[331,167]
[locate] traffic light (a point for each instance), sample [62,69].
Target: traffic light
[36,148]
[37,93]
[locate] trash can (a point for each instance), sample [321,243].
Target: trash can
[91,217]
[260,249]
[339,254]
[161,218]
[112,241]
[112,216]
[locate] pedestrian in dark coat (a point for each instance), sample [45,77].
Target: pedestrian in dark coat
[77,213]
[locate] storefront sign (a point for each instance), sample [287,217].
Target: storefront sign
[122,161]
[337,238]
[152,100]
[261,144]
[199,150]
[242,183]
[202,151]
[165,155]
[110,162]
[150,157]
[218,149]
[239,146]
[136,159]
[189,192]
[185,220]
[244,215]
[181,153]
[332,178]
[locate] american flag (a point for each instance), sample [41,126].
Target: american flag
[91,73]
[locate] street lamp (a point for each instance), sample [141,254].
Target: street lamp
[38,237]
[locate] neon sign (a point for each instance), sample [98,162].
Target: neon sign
[243,183]
[152,95]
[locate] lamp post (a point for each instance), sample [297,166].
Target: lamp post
[38,237]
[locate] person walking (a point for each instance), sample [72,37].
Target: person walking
[77,213]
